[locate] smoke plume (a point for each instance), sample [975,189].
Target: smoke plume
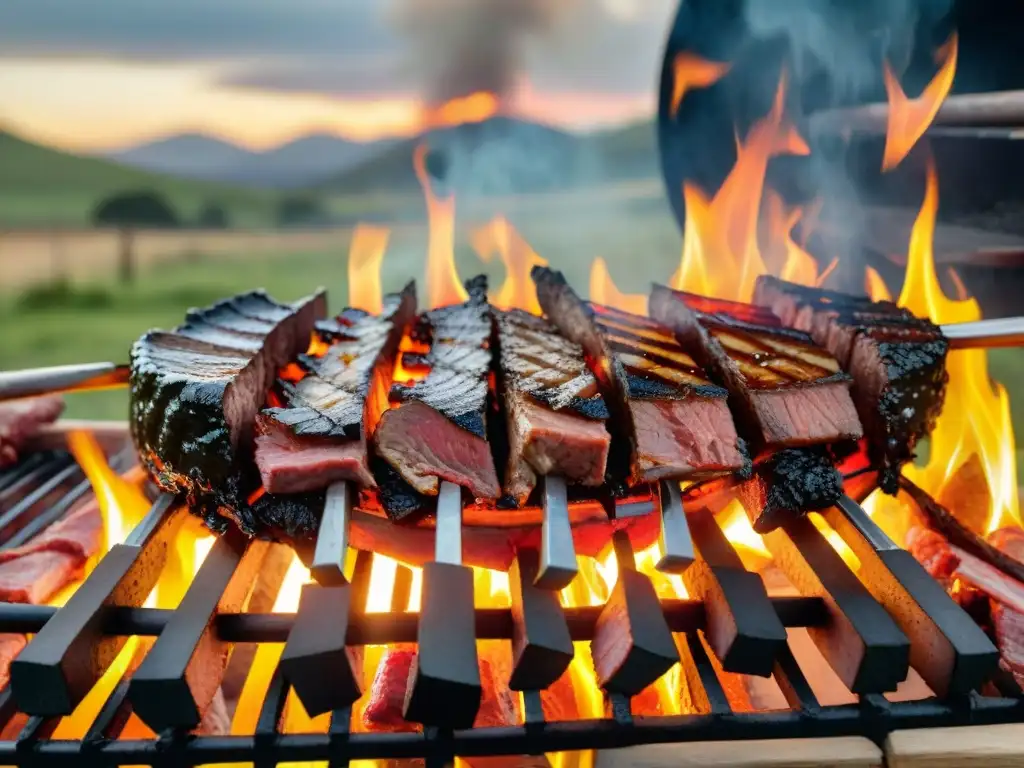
[464,46]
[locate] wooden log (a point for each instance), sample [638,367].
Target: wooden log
[844,752]
[992,746]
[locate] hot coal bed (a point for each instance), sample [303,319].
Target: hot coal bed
[870,626]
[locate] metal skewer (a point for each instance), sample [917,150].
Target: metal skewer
[675,540]
[557,552]
[62,378]
[325,673]
[988,334]
[445,689]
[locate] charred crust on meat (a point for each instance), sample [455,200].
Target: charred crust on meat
[798,480]
[193,402]
[399,500]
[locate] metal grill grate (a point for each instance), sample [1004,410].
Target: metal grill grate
[734,620]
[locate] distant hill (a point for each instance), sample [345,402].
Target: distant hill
[301,162]
[192,155]
[44,186]
[508,156]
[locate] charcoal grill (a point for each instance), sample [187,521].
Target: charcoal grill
[835,605]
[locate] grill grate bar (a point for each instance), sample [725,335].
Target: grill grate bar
[742,629]
[49,466]
[26,466]
[792,682]
[862,643]
[61,507]
[705,691]
[13,519]
[180,675]
[60,665]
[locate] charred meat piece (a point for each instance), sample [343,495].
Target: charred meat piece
[435,429]
[790,482]
[898,364]
[554,412]
[20,419]
[786,391]
[195,395]
[673,421]
[320,436]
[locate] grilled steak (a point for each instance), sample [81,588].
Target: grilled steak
[320,437]
[672,420]
[20,418]
[788,483]
[785,390]
[555,415]
[195,393]
[898,364]
[436,428]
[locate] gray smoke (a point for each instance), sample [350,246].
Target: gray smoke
[463,46]
[847,39]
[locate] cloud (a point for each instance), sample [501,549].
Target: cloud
[361,47]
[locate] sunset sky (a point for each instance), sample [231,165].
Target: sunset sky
[98,74]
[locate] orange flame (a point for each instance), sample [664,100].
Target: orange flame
[875,286]
[365,256]
[721,255]
[691,72]
[499,236]
[443,286]
[603,291]
[976,417]
[909,118]
[474,108]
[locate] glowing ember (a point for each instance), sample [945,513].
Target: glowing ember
[519,258]
[690,72]
[910,118]
[365,256]
[443,286]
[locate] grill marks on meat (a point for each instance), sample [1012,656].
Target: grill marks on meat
[671,419]
[553,411]
[898,363]
[320,437]
[786,390]
[195,393]
[20,419]
[435,429]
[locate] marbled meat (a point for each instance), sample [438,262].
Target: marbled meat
[19,419]
[319,436]
[436,428]
[897,360]
[786,391]
[674,422]
[196,390]
[554,414]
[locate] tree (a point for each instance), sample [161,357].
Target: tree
[135,209]
[298,210]
[129,211]
[213,215]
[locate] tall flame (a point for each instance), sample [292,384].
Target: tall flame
[909,118]
[721,256]
[501,238]
[443,286]
[365,256]
[603,291]
[691,72]
[976,417]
